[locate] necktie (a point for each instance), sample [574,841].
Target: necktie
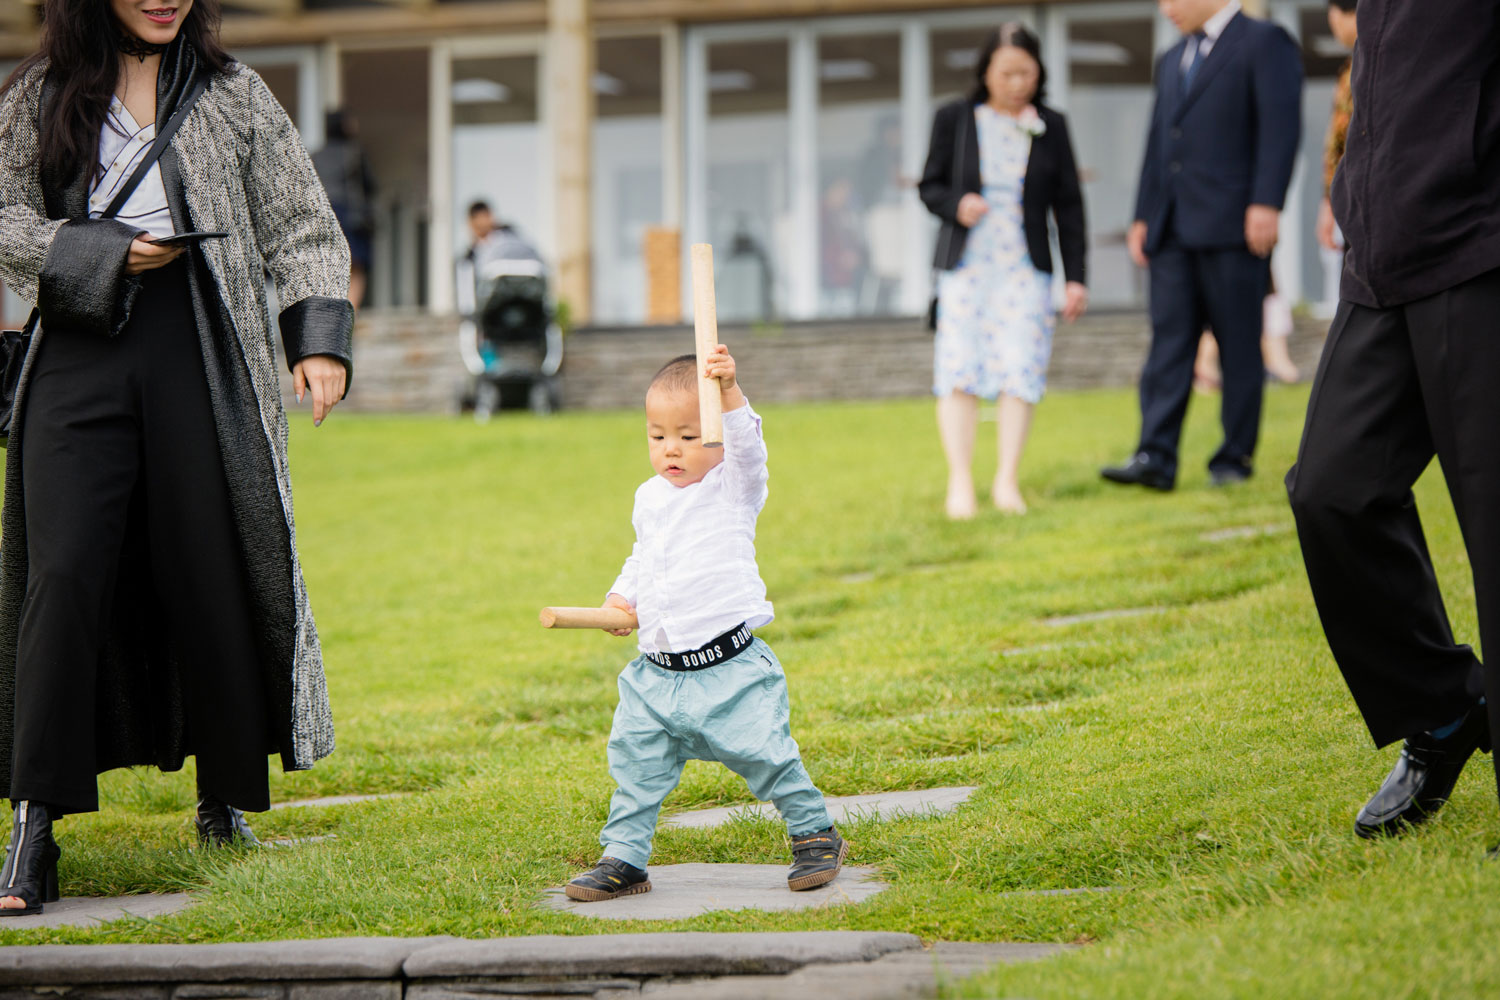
[1197,39]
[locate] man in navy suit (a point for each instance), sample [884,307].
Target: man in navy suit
[1224,133]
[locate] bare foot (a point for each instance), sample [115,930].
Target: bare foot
[960,504]
[12,903]
[1008,499]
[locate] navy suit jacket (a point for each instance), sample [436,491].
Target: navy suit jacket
[1227,143]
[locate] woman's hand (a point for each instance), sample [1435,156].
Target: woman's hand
[1075,300]
[618,602]
[146,256]
[323,375]
[971,208]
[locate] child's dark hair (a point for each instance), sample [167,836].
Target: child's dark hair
[1347,6]
[678,375]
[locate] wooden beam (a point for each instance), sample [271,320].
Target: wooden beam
[570,70]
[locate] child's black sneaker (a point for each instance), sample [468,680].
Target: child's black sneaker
[611,877]
[816,859]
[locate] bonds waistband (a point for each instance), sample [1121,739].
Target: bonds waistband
[725,647]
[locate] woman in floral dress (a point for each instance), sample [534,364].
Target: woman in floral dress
[999,163]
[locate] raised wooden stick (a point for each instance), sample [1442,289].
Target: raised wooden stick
[706,333]
[587,618]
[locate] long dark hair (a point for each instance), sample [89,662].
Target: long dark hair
[81,44]
[1013,35]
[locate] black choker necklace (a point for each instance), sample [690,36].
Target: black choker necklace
[130,45]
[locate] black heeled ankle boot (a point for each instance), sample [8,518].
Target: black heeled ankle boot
[221,824]
[30,872]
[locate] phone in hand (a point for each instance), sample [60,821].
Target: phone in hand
[186,239]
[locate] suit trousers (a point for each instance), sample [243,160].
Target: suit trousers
[736,712]
[1394,388]
[1191,289]
[119,437]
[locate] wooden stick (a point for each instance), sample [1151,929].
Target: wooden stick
[587,618]
[706,333]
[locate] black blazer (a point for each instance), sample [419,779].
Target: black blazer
[1051,183]
[1418,192]
[1225,144]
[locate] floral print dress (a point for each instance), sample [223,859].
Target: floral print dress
[995,316]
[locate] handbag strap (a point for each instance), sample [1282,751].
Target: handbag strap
[157,148]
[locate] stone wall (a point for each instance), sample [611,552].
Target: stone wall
[408,361]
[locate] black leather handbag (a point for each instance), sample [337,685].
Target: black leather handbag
[16,344]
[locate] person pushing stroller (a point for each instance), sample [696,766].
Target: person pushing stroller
[704,687]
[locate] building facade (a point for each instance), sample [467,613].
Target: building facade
[787,133]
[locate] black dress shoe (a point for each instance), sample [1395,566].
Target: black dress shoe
[221,824]
[1228,475]
[1139,471]
[30,872]
[1423,777]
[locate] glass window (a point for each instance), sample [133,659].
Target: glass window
[499,148]
[860,185]
[749,220]
[1109,112]
[627,179]
[385,93]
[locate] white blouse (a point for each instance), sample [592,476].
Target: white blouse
[122,144]
[692,575]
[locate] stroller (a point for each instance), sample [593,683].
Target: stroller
[509,338]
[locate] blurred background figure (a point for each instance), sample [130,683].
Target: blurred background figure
[345,172]
[844,257]
[1342,22]
[1276,326]
[1223,138]
[998,163]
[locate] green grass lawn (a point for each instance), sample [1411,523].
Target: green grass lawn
[1202,761]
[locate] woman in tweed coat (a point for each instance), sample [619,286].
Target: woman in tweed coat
[152,606]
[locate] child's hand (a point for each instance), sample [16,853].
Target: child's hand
[720,365]
[616,601]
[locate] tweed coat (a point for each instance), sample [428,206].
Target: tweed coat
[236,165]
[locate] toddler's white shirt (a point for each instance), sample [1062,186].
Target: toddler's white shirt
[692,575]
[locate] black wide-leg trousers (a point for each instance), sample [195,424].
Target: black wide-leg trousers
[1394,388]
[1223,290]
[113,424]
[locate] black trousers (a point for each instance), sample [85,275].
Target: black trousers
[1190,289]
[114,425]
[1394,387]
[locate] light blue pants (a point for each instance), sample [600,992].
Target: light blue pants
[735,712]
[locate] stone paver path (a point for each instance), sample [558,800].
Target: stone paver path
[1057,621]
[91,911]
[1245,531]
[843,808]
[682,891]
[336,800]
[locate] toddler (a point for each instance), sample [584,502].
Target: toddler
[703,687]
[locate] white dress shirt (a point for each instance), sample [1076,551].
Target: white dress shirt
[1212,29]
[122,143]
[692,575]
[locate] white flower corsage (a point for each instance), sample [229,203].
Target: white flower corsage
[1030,122]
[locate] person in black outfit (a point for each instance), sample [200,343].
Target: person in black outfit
[1409,372]
[1224,135]
[152,606]
[994,311]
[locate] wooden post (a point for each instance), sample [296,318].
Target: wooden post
[570,74]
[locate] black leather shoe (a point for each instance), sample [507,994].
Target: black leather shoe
[30,872]
[1228,476]
[816,859]
[611,877]
[221,824]
[1139,471]
[1423,777]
